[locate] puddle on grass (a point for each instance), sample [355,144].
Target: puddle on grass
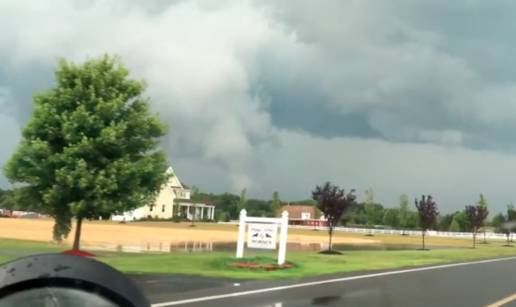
[209,246]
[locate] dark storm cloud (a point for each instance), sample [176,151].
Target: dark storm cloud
[21,85]
[279,95]
[411,69]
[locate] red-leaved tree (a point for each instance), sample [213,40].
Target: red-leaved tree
[333,202]
[476,215]
[427,209]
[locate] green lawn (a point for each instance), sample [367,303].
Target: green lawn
[307,263]
[12,249]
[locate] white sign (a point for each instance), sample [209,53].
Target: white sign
[262,236]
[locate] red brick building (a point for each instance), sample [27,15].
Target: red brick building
[304,215]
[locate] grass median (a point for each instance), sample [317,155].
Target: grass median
[307,263]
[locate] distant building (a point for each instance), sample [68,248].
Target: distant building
[21,214]
[172,200]
[304,215]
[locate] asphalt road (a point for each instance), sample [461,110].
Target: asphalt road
[475,284]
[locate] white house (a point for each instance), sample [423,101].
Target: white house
[172,200]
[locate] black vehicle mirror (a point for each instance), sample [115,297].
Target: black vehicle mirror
[66,280]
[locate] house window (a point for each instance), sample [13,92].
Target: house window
[162,208]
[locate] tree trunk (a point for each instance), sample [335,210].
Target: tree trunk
[77,238]
[474,237]
[330,231]
[485,236]
[423,234]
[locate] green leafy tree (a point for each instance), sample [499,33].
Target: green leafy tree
[7,200]
[90,148]
[276,203]
[258,207]
[391,218]
[498,221]
[403,213]
[413,220]
[228,203]
[370,216]
[223,216]
[304,202]
[462,218]
[482,202]
[444,222]
[356,215]
[374,214]
[511,213]
[454,226]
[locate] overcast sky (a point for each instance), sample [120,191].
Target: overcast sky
[402,96]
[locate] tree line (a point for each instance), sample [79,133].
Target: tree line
[367,213]
[335,203]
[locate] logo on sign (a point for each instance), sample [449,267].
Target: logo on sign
[262,236]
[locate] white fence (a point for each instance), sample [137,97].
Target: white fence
[430,233]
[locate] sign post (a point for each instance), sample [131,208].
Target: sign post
[262,233]
[241,234]
[282,253]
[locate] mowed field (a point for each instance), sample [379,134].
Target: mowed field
[23,237]
[152,235]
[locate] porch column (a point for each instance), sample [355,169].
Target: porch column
[212,213]
[188,211]
[202,213]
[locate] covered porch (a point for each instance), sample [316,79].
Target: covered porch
[191,210]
